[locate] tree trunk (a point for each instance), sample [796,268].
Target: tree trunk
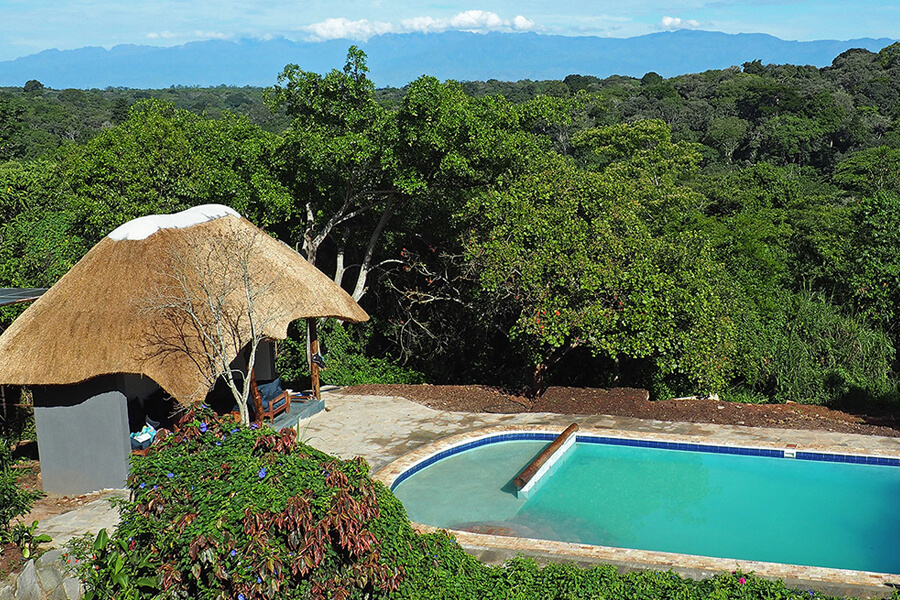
[360,289]
[339,269]
[313,350]
[537,379]
[539,374]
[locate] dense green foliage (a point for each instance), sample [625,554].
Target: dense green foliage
[730,231]
[346,360]
[14,500]
[220,510]
[35,120]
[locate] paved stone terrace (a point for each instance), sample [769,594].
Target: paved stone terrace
[382,429]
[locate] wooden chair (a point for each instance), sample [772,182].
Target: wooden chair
[270,400]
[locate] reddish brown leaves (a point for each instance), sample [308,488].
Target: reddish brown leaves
[281,443]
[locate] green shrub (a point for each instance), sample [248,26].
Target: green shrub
[24,537]
[14,500]
[347,362]
[222,509]
[743,395]
[807,351]
[820,356]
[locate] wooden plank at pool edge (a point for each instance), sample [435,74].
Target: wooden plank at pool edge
[526,480]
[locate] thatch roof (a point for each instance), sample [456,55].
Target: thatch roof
[121,308]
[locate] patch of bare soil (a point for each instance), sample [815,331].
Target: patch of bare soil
[10,560]
[634,402]
[48,504]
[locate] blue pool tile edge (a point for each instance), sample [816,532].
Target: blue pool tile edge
[849,458]
[638,443]
[684,446]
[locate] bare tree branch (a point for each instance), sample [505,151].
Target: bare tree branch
[211,304]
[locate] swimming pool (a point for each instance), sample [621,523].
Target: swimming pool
[817,509]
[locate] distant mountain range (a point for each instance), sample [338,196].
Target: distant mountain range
[397,59]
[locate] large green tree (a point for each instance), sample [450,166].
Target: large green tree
[363,174]
[162,160]
[574,252]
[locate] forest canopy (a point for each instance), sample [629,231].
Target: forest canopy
[730,232]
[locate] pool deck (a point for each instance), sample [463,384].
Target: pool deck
[384,429]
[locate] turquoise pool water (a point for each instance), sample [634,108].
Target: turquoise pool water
[779,510]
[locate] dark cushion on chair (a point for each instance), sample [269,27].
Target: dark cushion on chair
[269,391]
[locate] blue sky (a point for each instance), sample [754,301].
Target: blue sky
[30,26]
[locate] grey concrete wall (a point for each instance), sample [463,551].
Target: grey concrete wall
[265,361]
[264,364]
[82,436]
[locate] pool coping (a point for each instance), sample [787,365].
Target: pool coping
[648,558]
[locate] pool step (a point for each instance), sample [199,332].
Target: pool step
[537,470]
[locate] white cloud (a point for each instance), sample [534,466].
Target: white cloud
[522,24]
[193,35]
[478,21]
[211,35]
[156,35]
[676,23]
[421,24]
[335,29]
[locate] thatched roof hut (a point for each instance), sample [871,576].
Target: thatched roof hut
[121,308]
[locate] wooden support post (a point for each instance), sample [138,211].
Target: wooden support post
[256,397]
[313,350]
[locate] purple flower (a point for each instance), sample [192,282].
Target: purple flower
[234,430]
[203,427]
[143,485]
[254,425]
[258,579]
[170,475]
[233,552]
[262,472]
[218,443]
[240,597]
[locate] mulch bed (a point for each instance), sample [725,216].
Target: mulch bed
[634,402]
[10,560]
